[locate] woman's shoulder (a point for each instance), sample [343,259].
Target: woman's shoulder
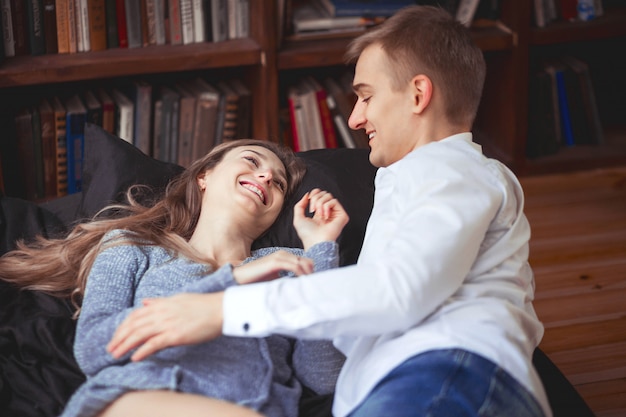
[261,252]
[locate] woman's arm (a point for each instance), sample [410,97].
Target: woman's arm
[108,300]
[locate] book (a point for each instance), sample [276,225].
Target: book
[344,138]
[8,41]
[72,25]
[75,142]
[244,108]
[312,17]
[133,23]
[50,26]
[175,22]
[186,21]
[199,30]
[219,20]
[313,121]
[143,13]
[297,118]
[588,96]
[378,8]
[568,9]
[542,137]
[124,115]
[93,107]
[97,24]
[141,95]
[35,14]
[205,119]
[108,110]
[38,154]
[159,22]
[82,8]
[26,153]
[566,121]
[122,29]
[330,137]
[61,146]
[110,7]
[19,20]
[344,107]
[465,11]
[157,135]
[208,20]
[227,117]
[48,147]
[187,113]
[168,129]
[550,69]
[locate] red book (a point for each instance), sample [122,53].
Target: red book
[568,9]
[122,34]
[330,137]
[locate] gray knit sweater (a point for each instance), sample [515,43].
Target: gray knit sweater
[264,374]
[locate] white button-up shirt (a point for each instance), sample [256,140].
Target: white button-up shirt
[444,264]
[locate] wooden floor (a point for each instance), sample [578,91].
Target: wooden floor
[578,253]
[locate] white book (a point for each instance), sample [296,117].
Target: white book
[466,11]
[124,115]
[82,26]
[186,21]
[159,21]
[198,21]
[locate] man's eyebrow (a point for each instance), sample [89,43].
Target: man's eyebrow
[358,87]
[281,172]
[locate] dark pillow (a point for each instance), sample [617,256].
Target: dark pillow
[348,175]
[111,166]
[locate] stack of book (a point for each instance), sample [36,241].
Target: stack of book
[317,115]
[37,27]
[176,123]
[562,108]
[546,11]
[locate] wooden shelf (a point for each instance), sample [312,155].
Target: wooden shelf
[611,25]
[328,52]
[579,157]
[44,69]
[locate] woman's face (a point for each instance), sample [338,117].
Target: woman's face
[248,177]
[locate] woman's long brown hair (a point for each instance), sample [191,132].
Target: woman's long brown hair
[60,266]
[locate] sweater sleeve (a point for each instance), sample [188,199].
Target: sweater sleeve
[317,363]
[107,302]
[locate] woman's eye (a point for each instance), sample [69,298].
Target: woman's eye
[366,99]
[253,160]
[280,184]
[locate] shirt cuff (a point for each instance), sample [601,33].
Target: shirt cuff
[245,312]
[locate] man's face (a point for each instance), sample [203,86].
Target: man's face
[385,113]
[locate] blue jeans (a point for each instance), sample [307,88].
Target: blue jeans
[453,383]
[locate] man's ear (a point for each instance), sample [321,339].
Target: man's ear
[422,91]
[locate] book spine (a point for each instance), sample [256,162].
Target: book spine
[19,18]
[7,28]
[219,20]
[466,11]
[159,22]
[35,27]
[26,152]
[111,23]
[97,25]
[38,154]
[186,21]
[122,33]
[50,26]
[133,23]
[61,147]
[82,26]
[151,21]
[199,30]
[176,35]
[72,26]
[75,138]
[566,121]
[143,15]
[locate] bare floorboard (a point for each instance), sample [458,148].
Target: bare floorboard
[578,254]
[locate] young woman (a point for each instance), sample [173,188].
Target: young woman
[196,239]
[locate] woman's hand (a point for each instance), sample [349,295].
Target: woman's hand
[182,319]
[270,266]
[329,218]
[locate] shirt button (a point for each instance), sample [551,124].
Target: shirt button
[246,327]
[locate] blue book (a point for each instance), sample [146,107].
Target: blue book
[76,114]
[566,121]
[371,8]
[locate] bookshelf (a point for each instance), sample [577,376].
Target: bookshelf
[267,63]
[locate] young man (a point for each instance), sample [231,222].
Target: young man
[436,317]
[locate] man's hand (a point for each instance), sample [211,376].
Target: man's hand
[182,319]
